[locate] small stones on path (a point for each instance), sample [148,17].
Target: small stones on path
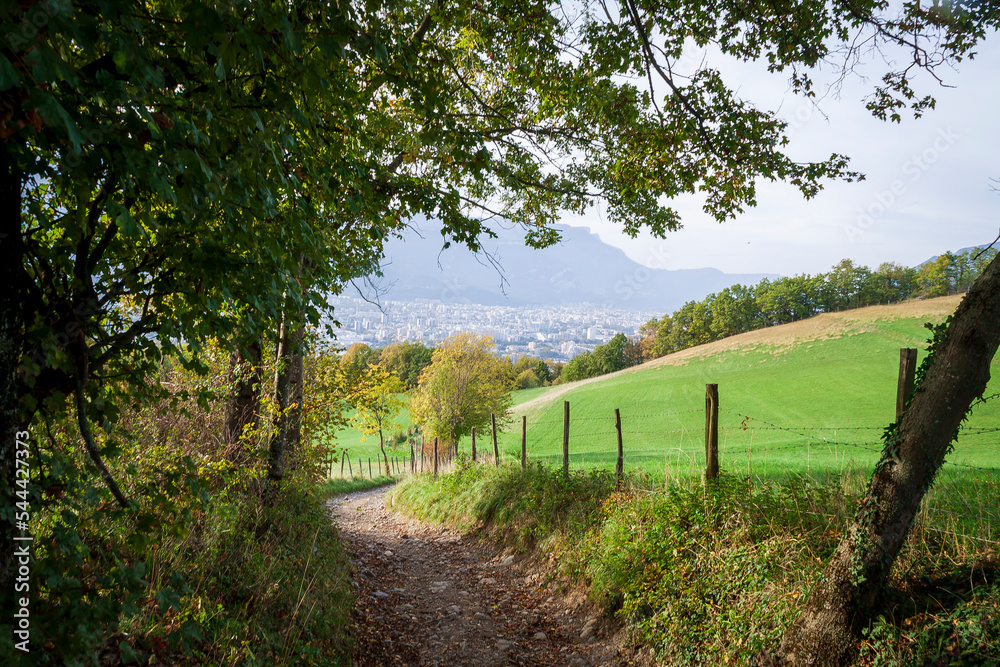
[432,613]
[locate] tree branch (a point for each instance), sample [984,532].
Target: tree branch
[84,424]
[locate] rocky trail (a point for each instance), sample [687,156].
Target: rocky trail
[430,596]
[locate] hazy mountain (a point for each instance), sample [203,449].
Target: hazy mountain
[956,252]
[581,269]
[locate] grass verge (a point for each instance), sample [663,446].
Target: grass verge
[713,576]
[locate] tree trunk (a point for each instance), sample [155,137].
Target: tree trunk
[296,370]
[287,399]
[829,628]
[244,406]
[385,457]
[278,448]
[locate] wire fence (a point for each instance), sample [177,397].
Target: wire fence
[674,443]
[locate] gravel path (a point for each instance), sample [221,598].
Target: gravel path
[429,596]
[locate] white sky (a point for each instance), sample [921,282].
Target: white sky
[940,167]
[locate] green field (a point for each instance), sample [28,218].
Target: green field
[811,397]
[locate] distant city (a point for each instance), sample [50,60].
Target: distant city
[550,332]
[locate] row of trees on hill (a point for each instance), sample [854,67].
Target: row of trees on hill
[742,308]
[618,353]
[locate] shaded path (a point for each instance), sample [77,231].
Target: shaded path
[429,596]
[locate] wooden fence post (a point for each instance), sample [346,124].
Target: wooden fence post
[907,375]
[435,457]
[370,476]
[473,444]
[566,439]
[350,469]
[341,465]
[711,431]
[413,459]
[496,450]
[620,464]
[524,442]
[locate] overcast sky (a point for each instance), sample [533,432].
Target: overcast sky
[928,186]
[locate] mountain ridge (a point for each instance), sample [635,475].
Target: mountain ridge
[579,270]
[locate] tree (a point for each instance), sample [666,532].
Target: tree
[527,379]
[375,394]
[612,356]
[938,277]
[953,376]
[461,388]
[893,283]
[579,367]
[406,360]
[530,372]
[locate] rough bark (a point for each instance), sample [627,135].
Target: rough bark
[287,399]
[828,630]
[276,460]
[244,406]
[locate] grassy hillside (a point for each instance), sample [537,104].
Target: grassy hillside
[805,397]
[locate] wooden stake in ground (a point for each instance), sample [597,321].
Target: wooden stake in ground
[473,444]
[524,443]
[566,439]
[435,457]
[711,431]
[620,464]
[907,376]
[496,450]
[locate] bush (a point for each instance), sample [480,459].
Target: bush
[206,567]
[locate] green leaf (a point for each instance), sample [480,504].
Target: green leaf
[123,218]
[54,114]
[9,78]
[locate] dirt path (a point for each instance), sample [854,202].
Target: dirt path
[429,596]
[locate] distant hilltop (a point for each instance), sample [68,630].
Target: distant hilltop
[579,270]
